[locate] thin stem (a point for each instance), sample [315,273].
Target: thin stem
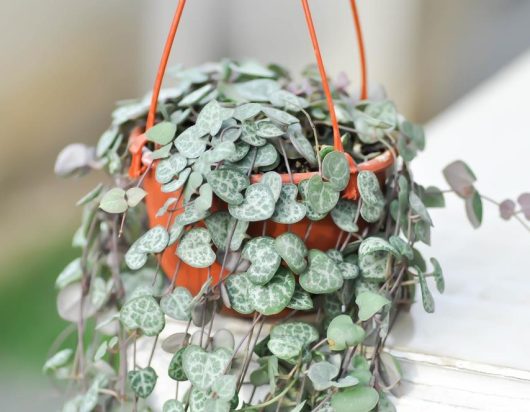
[315,135]
[286,160]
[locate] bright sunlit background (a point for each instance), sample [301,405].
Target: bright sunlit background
[64,63]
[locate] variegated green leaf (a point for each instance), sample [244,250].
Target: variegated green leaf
[191,143]
[203,368]
[263,257]
[419,208]
[211,117]
[311,213]
[302,145]
[142,381]
[279,116]
[322,275]
[237,287]
[177,183]
[250,134]
[336,169]
[247,111]
[224,387]
[426,296]
[177,304]
[273,297]
[196,95]
[274,181]
[168,168]
[374,266]
[284,348]
[266,155]
[348,270]
[375,244]
[155,240]
[191,214]
[301,300]
[321,195]
[369,304]
[195,250]
[172,405]
[288,101]
[288,339]
[371,213]
[293,251]
[343,214]
[268,129]
[176,370]
[402,247]
[288,210]
[241,150]
[143,313]
[258,204]
[438,276]
[369,188]
[227,185]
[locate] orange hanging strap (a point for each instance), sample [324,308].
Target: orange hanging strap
[136,148]
[337,142]
[362,55]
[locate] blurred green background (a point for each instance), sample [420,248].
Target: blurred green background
[65,63]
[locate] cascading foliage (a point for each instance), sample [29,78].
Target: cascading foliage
[219,125]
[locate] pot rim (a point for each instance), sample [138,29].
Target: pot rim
[376,164]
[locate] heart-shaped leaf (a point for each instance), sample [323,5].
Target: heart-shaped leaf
[301,300]
[258,204]
[211,117]
[371,213]
[343,333]
[348,270]
[161,133]
[369,188]
[168,168]
[268,129]
[357,399]
[176,370]
[191,214]
[273,297]
[343,214]
[369,304]
[177,183]
[224,387]
[204,201]
[321,374]
[321,195]
[247,111]
[198,400]
[288,339]
[192,184]
[288,210]
[288,100]
[419,208]
[190,143]
[177,305]
[375,244]
[250,134]
[311,213]
[460,178]
[203,368]
[237,287]
[264,259]
[336,169]
[195,96]
[217,225]
[322,275]
[143,313]
[266,155]
[301,144]
[274,181]
[227,185]
[195,250]
[279,116]
[172,405]
[134,196]
[292,250]
[142,381]
[241,150]
[402,247]
[375,265]
[155,240]
[114,201]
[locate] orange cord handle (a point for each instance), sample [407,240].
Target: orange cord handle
[337,142]
[136,146]
[360,45]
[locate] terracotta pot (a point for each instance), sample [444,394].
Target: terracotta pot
[323,234]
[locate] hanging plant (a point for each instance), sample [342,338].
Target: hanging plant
[246,196]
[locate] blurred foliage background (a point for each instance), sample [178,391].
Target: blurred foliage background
[65,63]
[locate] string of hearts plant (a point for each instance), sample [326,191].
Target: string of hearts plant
[314,246]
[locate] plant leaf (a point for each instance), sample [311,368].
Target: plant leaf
[321,374]
[343,215]
[195,250]
[293,251]
[142,381]
[161,133]
[177,304]
[369,188]
[288,210]
[258,204]
[369,304]
[357,399]
[426,296]
[273,297]
[143,313]
[203,368]
[343,333]
[460,178]
[114,201]
[321,195]
[336,169]
[264,259]
[135,196]
[322,275]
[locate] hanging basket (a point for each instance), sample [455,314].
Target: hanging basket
[323,235]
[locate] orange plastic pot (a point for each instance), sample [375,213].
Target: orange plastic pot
[323,234]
